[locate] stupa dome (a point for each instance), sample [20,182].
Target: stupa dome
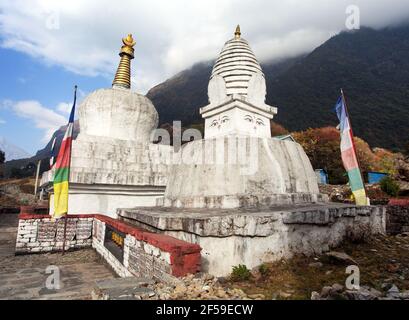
[237,72]
[118,114]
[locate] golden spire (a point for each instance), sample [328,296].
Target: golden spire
[123,74]
[237,34]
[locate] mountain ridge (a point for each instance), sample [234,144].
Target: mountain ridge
[12,152]
[370,65]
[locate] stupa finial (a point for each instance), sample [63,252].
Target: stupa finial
[123,74]
[128,41]
[237,34]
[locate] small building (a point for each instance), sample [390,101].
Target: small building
[322,176]
[376,177]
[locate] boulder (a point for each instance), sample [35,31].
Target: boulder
[341,258]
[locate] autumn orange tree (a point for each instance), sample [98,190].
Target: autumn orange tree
[322,146]
[278,130]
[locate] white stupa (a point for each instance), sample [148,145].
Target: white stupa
[113,162]
[237,92]
[238,164]
[247,198]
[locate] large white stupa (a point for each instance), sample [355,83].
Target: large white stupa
[113,162]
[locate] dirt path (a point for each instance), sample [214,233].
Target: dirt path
[24,276]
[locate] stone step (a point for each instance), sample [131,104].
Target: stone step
[129,288]
[124,282]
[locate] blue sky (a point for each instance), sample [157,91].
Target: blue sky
[24,78]
[48,46]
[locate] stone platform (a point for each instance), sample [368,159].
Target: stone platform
[242,236]
[109,173]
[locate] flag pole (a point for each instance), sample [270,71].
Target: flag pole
[65,234]
[69,171]
[353,140]
[37,176]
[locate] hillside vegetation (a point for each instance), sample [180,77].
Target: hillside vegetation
[372,67]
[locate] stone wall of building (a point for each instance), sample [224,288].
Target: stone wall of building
[397,214]
[142,253]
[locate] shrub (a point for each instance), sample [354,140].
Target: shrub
[390,187]
[2,157]
[240,273]
[360,233]
[263,269]
[322,146]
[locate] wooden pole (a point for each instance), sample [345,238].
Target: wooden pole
[69,172]
[37,176]
[65,234]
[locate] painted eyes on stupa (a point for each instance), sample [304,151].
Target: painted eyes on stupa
[225,119]
[248,118]
[258,121]
[219,122]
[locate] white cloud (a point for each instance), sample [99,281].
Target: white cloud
[64,107]
[22,80]
[42,117]
[84,36]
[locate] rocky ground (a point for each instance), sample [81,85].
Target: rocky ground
[339,292]
[200,287]
[383,263]
[342,193]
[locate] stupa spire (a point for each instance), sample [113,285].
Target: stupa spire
[123,73]
[237,33]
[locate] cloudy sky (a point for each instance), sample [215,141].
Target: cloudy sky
[47,46]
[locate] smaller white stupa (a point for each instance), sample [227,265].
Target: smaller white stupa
[237,92]
[238,164]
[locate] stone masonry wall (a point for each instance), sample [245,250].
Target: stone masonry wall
[148,254]
[397,214]
[37,234]
[145,254]
[98,245]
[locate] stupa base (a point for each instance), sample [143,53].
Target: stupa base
[251,237]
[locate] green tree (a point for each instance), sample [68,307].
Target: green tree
[406,149]
[2,157]
[390,187]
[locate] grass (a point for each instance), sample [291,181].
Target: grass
[382,260]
